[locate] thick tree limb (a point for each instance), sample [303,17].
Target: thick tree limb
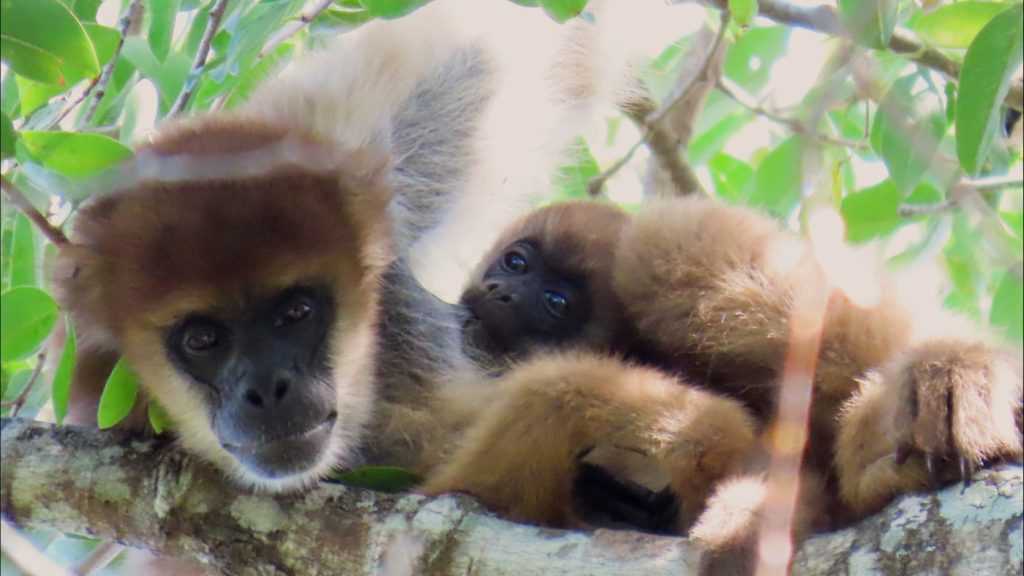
[146,493]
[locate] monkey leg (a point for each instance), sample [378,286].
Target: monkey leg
[523,454]
[932,415]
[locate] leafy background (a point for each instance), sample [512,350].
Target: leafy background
[918,162]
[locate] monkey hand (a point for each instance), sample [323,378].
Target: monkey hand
[932,416]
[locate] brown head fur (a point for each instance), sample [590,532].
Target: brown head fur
[578,240]
[212,214]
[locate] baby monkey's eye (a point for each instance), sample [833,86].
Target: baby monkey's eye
[200,337]
[556,303]
[515,262]
[295,311]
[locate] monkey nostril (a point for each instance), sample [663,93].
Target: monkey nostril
[253,397]
[281,388]
[505,299]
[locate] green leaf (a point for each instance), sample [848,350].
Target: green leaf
[743,11]
[75,155]
[86,9]
[161,26]
[7,136]
[118,396]
[41,38]
[104,39]
[961,257]
[10,100]
[871,212]
[30,61]
[1008,307]
[562,10]
[35,94]
[391,8]
[779,179]
[907,131]
[712,140]
[749,61]
[158,417]
[990,63]
[379,478]
[731,177]
[871,22]
[955,25]
[23,252]
[61,388]
[168,76]
[574,176]
[27,319]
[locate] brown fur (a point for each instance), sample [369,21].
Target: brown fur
[712,286]
[522,453]
[150,252]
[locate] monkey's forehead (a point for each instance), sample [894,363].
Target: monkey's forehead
[233,236]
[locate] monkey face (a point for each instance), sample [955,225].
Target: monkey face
[238,280]
[265,374]
[523,302]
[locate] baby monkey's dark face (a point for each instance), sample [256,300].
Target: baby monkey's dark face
[523,302]
[263,368]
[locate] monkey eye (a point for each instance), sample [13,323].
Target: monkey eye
[514,262]
[556,303]
[200,337]
[296,311]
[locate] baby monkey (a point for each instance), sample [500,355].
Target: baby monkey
[696,288]
[547,284]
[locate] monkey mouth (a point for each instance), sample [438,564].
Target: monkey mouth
[283,456]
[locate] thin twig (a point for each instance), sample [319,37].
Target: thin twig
[912,210]
[664,144]
[596,183]
[52,233]
[99,89]
[995,182]
[101,556]
[216,13]
[19,402]
[737,94]
[288,30]
[75,103]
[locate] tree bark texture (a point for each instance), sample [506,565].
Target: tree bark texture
[149,494]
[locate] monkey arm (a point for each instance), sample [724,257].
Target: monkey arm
[523,454]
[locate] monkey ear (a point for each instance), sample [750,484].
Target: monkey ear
[76,276]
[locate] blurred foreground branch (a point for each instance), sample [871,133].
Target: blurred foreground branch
[148,494]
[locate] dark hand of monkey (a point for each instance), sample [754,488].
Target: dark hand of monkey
[602,500]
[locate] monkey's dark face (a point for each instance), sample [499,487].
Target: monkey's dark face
[523,302]
[263,368]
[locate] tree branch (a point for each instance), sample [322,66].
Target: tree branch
[52,233]
[288,30]
[148,494]
[99,89]
[216,13]
[822,18]
[736,93]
